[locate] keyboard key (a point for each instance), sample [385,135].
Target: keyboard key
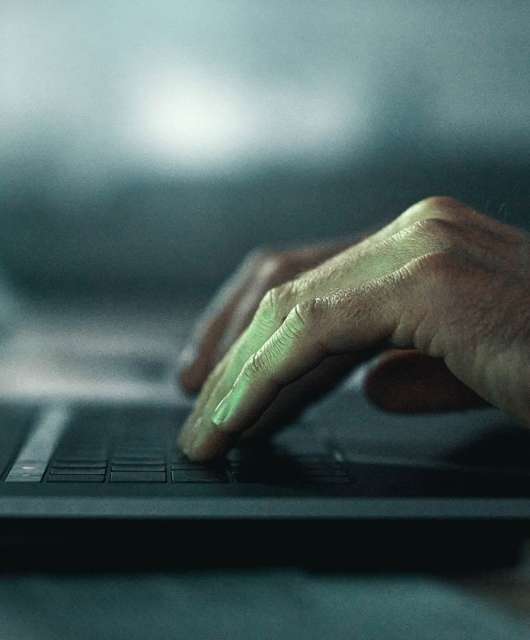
[81,458]
[198,475]
[187,464]
[84,464]
[137,467]
[138,476]
[138,459]
[76,471]
[195,466]
[75,478]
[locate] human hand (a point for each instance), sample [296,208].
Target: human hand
[232,310]
[396,380]
[441,279]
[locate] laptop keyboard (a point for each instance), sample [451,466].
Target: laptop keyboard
[138,445]
[273,469]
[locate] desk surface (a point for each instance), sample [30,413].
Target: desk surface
[507,589]
[264,604]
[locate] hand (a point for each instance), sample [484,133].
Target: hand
[232,311]
[441,279]
[396,380]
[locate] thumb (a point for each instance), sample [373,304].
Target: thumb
[406,381]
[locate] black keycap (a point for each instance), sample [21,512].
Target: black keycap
[84,464]
[139,459]
[137,467]
[198,475]
[194,466]
[187,465]
[138,476]
[76,471]
[75,478]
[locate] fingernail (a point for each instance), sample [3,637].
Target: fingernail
[224,410]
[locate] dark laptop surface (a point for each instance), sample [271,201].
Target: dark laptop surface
[99,483]
[120,460]
[88,462]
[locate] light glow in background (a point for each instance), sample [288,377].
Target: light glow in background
[158,141]
[209,85]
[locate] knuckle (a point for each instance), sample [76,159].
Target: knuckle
[301,322]
[438,230]
[306,314]
[268,303]
[309,322]
[275,302]
[435,206]
[439,203]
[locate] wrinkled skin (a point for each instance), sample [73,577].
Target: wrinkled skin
[442,293]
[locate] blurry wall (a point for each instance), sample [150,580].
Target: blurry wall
[150,144]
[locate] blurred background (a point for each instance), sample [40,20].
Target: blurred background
[149,144]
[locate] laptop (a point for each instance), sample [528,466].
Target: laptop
[99,473]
